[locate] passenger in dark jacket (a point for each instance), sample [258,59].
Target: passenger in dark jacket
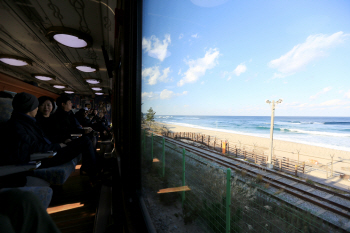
[101,125]
[46,120]
[67,124]
[81,116]
[23,136]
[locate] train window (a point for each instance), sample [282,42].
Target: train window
[245,115]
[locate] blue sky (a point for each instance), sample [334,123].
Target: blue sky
[226,57]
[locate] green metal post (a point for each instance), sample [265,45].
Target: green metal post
[163,157]
[152,147]
[228,200]
[183,175]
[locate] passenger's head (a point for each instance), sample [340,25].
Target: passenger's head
[95,112]
[46,105]
[101,114]
[64,102]
[25,103]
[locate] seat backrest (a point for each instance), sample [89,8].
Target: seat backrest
[5,110]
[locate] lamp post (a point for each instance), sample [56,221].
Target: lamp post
[269,161]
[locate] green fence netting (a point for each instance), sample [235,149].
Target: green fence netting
[221,200]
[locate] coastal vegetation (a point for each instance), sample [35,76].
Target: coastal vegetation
[150,115]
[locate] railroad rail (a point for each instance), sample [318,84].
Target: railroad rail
[277,179]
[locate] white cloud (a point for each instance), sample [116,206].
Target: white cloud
[197,68]
[324,90]
[302,54]
[195,35]
[181,36]
[186,106]
[241,68]
[291,104]
[155,48]
[179,72]
[155,75]
[149,96]
[347,94]
[166,94]
[335,102]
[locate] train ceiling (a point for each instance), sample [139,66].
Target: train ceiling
[25,27]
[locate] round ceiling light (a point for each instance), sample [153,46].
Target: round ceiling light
[15,60]
[59,86]
[93,80]
[99,93]
[43,77]
[69,37]
[69,92]
[96,88]
[85,67]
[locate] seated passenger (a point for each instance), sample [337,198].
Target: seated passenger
[102,119]
[67,124]
[102,126]
[46,120]
[22,136]
[81,116]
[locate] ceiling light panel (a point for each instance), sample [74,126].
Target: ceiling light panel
[70,41]
[69,92]
[69,37]
[96,88]
[43,77]
[14,60]
[99,93]
[85,67]
[92,81]
[59,86]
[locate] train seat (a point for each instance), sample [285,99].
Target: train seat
[54,175]
[44,193]
[59,174]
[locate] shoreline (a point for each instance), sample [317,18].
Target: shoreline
[281,148]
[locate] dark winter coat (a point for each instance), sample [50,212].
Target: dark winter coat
[50,127]
[67,124]
[21,137]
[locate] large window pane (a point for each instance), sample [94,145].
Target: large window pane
[215,75]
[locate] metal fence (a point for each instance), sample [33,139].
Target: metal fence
[218,199]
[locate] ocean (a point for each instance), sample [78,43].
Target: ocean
[329,132]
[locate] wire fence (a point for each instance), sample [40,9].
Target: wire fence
[255,154]
[218,199]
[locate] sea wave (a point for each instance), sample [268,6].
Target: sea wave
[165,117]
[337,123]
[315,132]
[263,127]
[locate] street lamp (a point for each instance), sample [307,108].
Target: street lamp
[269,161]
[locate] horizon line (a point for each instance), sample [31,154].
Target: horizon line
[242,115]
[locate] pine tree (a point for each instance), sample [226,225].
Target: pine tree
[150,114]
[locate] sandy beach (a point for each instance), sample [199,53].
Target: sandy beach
[322,155]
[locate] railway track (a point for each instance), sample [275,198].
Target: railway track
[326,199]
